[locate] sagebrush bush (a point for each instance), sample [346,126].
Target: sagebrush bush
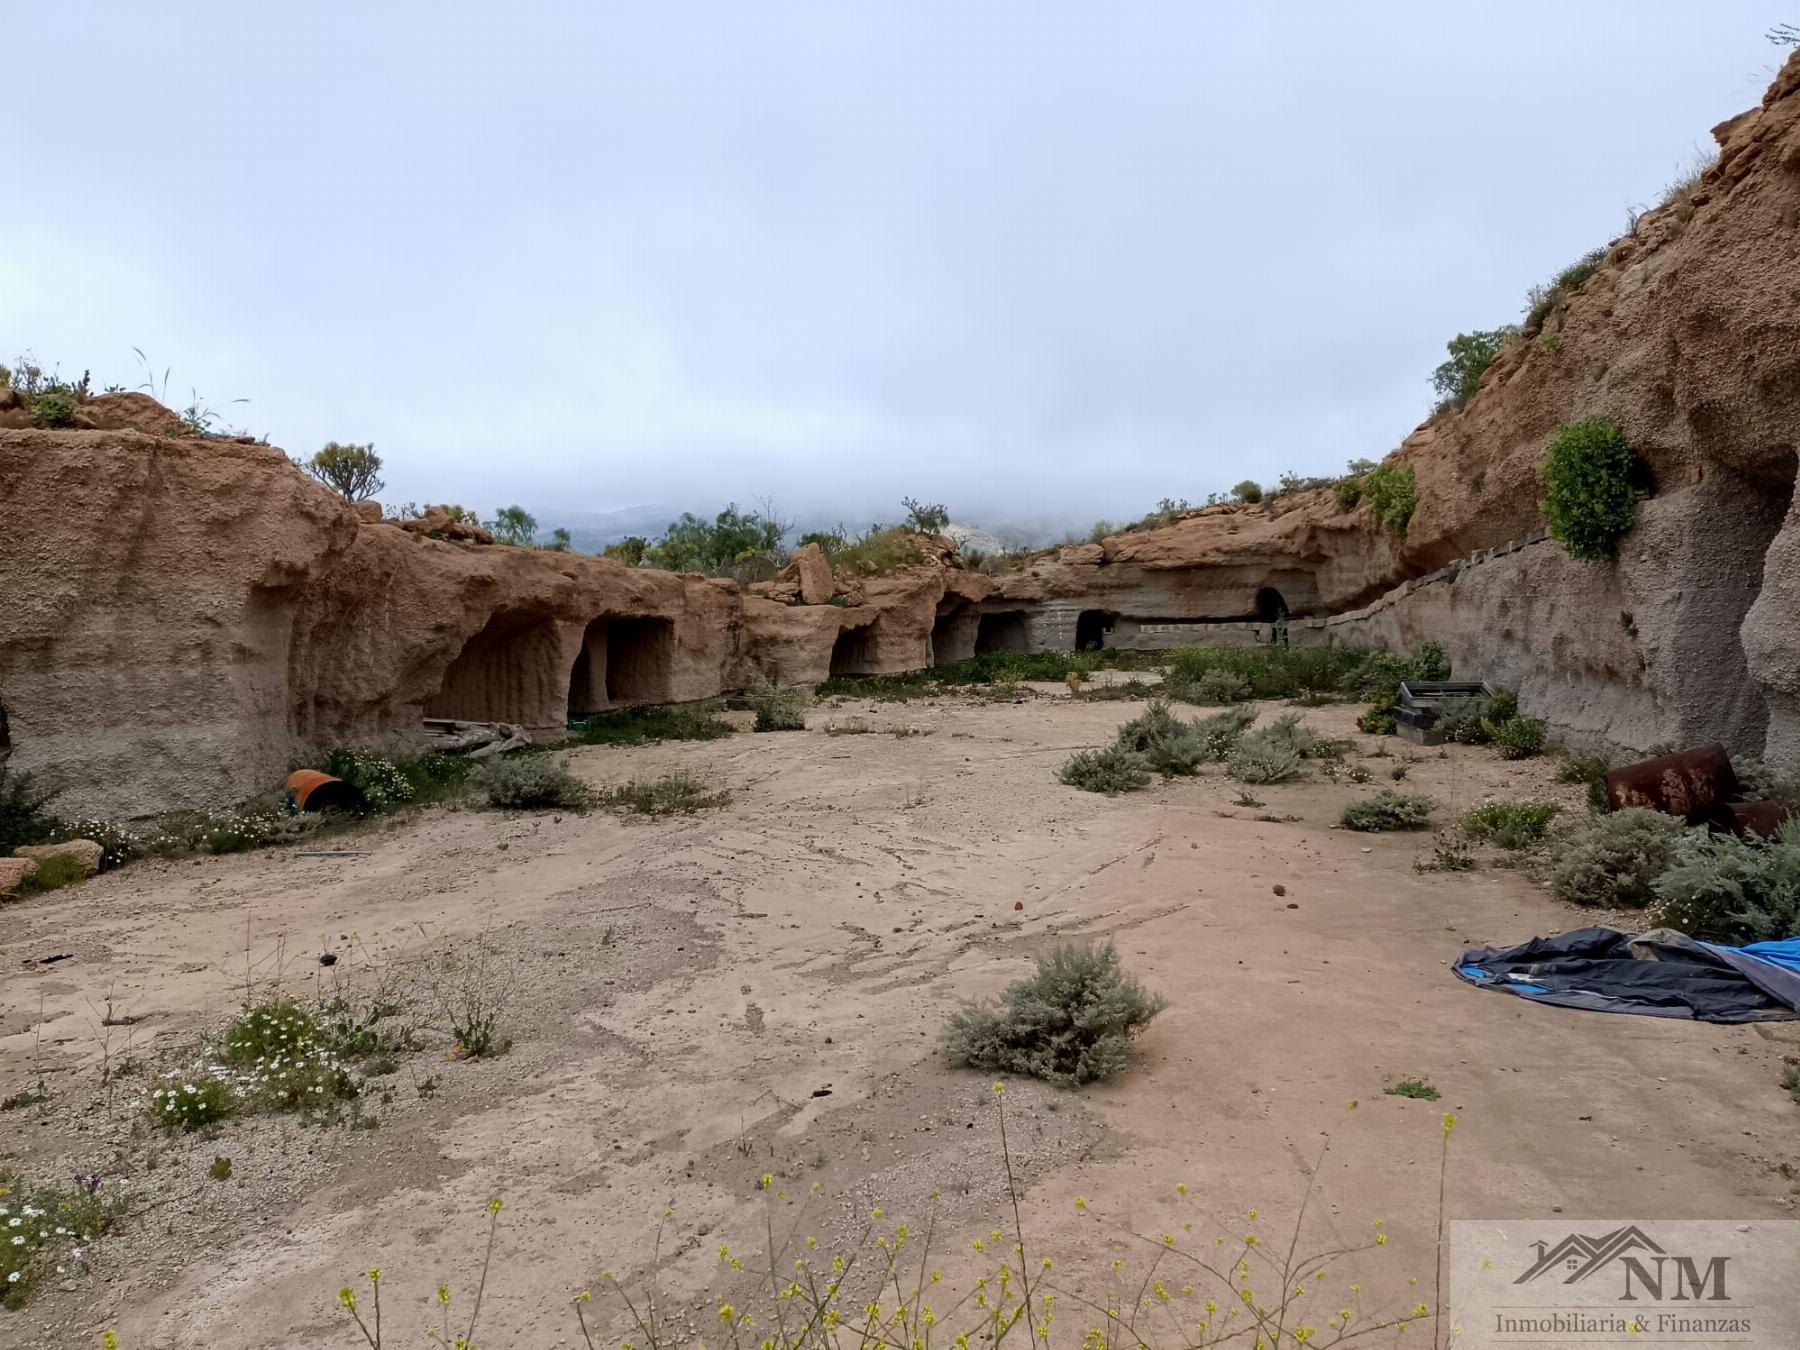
[676,793]
[778,708]
[1219,734]
[1389,810]
[1290,731]
[1616,858]
[1588,494]
[1273,754]
[530,783]
[1162,741]
[1071,1022]
[1731,889]
[1511,824]
[1111,771]
[1258,759]
[1217,686]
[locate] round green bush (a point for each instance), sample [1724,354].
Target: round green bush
[1588,496]
[54,409]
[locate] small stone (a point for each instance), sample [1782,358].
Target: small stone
[1280,889]
[1017,904]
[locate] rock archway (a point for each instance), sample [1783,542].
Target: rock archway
[954,633]
[512,670]
[623,661]
[1091,628]
[854,651]
[1006,631]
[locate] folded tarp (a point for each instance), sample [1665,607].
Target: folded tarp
[1660,973]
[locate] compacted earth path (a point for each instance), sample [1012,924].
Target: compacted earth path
[700,1002]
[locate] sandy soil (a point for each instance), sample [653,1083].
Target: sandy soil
[760,989]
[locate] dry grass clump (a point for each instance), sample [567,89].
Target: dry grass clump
[778,708]
[676,793]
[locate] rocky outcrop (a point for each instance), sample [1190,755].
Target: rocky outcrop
[1213,564]
[1688,337]
[185,616]
[150,584]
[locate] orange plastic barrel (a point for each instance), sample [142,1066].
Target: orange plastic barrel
[310,790]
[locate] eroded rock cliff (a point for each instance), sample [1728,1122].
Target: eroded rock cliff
[181,617]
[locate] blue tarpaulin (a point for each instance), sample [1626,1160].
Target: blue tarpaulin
[1660,973]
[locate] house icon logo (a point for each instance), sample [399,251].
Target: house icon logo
[1577,1256]
[1647,1268]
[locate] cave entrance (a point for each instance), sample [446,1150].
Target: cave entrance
[623,661]
[1270,606]
[954,633]
[854,651]
[510,671]
[1091,628]
[1003,632]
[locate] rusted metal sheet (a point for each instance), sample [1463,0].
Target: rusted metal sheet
[1753,818]
[1692,784]
[310,790]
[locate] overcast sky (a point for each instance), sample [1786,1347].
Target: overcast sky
[1015,257]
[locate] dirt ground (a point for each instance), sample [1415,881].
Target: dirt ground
[760,989]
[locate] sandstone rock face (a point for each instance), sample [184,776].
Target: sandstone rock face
[103,412]
[185,617]
[1688,337]
[437,523]
[1213,564]
[84,851]
[14,872]
[144,638]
